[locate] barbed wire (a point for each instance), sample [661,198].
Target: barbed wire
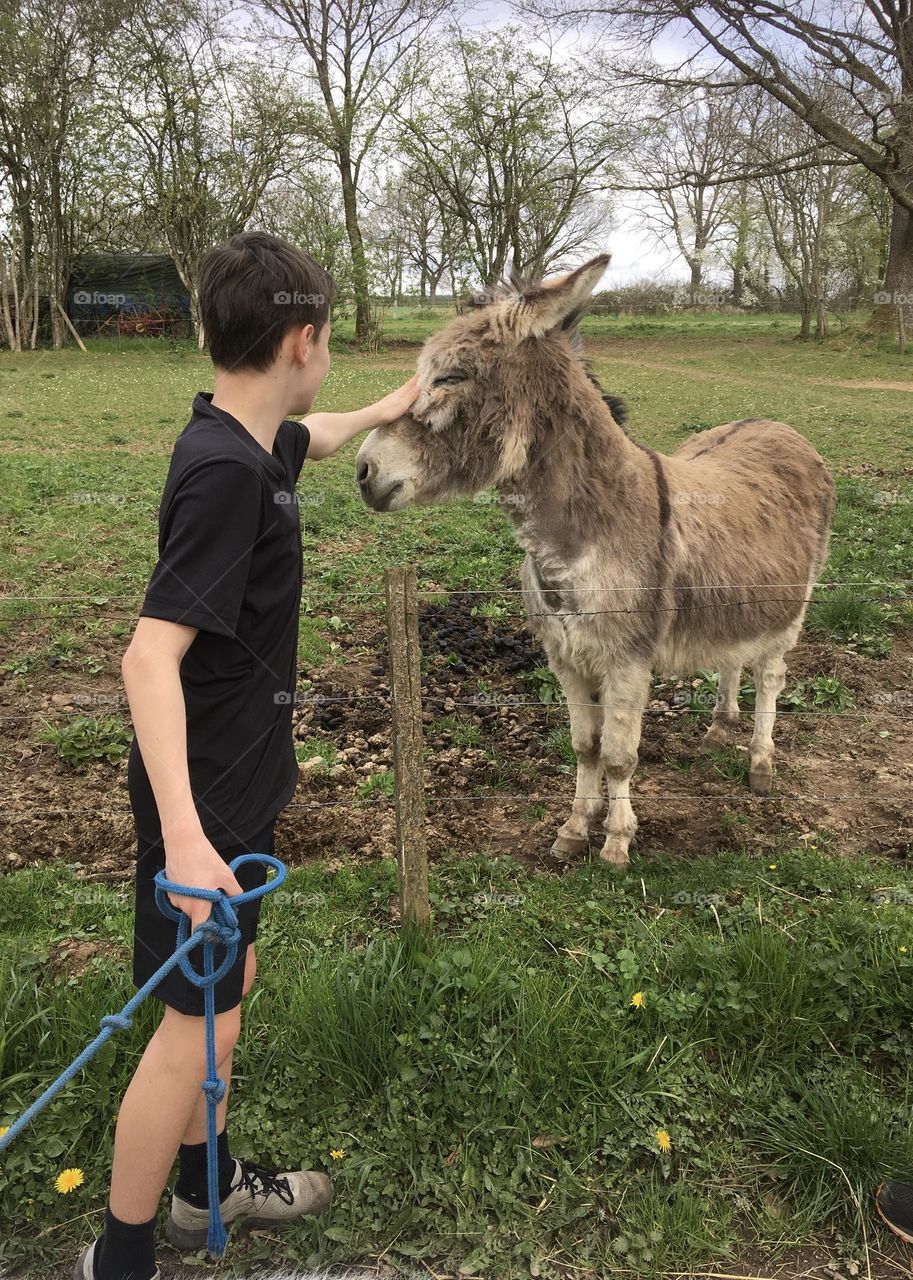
[546,707]
[592,613]
[531,799]
[99,598]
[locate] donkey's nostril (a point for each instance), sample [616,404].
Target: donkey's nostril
[361,472]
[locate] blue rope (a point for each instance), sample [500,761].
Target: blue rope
[221,929]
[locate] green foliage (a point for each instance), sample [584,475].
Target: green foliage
[84,739]
[459,730]
[731,764]
[308,748]
[846,615]
[498,1063]
[546,684]
[376,785]
[558,743]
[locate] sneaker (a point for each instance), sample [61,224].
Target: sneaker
[264,1197]
[85,1267]
[894,1202]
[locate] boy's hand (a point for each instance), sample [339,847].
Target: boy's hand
[330,431]
[395,404]
[194,862]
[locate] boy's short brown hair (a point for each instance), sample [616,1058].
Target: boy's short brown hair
[253,289]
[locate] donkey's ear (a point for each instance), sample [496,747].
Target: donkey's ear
[549,304]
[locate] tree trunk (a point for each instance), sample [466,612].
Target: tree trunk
[740,254]
[897,290]
[195,317]
[12,339]
[805,327]
[697,273]
[357,247]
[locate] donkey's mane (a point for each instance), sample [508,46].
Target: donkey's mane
[515,285]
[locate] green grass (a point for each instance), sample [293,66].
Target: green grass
[84,457]
[495,1093]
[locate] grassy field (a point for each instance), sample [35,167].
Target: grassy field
[499,1099]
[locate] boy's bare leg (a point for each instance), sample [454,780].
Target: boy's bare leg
[196,1129]
[159,1106]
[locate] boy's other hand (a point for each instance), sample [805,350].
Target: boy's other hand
[194,862]
[395,404]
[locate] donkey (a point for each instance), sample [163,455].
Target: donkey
[636,562]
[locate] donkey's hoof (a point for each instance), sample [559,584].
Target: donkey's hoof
[760,778]
[570,846]
[718,735]
[615,852]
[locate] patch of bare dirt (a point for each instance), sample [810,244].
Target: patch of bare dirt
[71,957]
[496,779]
[864,384]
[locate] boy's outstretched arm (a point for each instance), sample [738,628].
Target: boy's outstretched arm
[330,431]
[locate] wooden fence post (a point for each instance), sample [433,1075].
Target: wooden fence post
[406,694]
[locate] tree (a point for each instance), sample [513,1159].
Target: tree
[516,147]
[209,131]
[51,131]
[862,49]
[365,55]
[305,208]
[694,138]
[425,229]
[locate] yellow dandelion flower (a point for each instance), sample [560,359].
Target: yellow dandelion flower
[4,1129]
[338,1154]
[637,1000]
[68,1181]
[903,952]
[663,1141]
[771,866]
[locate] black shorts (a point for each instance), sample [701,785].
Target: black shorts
[155,936]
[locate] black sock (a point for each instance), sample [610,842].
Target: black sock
[192,1182]
[125,1251]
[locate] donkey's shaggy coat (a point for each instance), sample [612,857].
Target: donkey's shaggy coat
[636,561]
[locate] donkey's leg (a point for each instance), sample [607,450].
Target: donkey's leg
[726,711]
[586,728]
[769,677]
[625,694]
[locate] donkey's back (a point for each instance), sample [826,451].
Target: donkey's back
[752,503]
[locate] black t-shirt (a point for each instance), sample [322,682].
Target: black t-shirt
[230,565]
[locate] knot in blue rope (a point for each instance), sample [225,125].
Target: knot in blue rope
[214,1089]
[117,1021]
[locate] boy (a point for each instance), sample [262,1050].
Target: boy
[210,677]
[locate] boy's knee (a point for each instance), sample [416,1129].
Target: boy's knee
[250,970]
[183,1038]
[228,1028]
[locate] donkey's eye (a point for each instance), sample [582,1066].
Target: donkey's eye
[449,379]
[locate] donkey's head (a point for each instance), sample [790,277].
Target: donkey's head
[489,384]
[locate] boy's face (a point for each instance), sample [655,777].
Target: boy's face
[310,363]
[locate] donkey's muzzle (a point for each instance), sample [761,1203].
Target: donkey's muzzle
[376,491]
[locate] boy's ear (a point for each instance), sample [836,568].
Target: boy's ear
[302,343]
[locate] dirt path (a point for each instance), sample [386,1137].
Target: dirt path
[690,371]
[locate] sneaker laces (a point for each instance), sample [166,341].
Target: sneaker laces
[260,1180]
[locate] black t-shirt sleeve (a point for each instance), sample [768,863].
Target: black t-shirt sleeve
[302,443]
[206,541]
